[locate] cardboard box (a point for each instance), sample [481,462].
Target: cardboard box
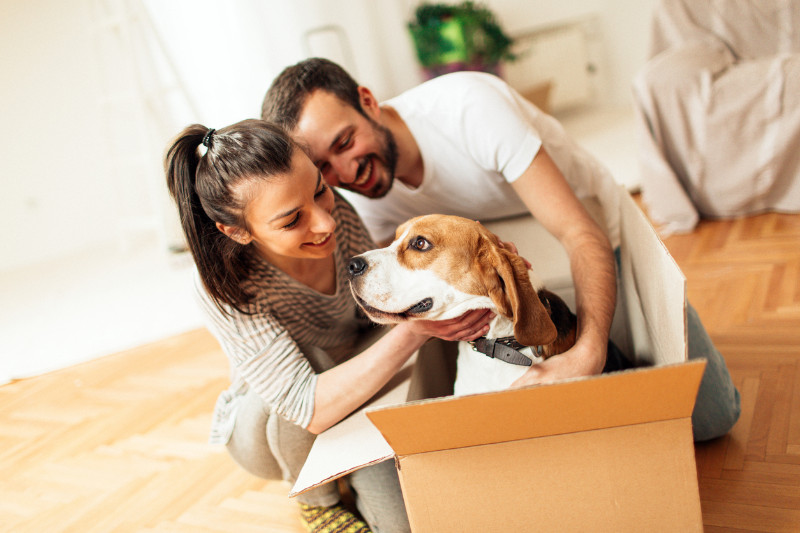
[605,453]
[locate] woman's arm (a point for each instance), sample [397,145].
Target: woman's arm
[345,387]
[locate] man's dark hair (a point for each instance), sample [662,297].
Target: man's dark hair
[287,95]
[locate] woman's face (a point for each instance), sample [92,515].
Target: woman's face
[290,216]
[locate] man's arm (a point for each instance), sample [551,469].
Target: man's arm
[550,199]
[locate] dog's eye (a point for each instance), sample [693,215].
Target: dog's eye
[420,244]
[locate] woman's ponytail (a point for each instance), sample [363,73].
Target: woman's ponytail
[206,191]
[180,165]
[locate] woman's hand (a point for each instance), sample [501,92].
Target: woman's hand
[467,327]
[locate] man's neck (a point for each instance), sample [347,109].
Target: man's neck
[410,168]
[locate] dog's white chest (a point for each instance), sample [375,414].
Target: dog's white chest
[478,373]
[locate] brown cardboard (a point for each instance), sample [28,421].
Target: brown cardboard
[629,478]
[553,458]
[604,453]
[586,404]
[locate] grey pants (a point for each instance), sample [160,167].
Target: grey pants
[269,446]
[718,402]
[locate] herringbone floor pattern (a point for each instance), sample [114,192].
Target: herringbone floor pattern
[118,444]
[744,279]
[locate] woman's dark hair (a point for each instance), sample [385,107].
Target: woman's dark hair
[287,94]
[212,187]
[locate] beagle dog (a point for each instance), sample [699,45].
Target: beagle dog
[441,266]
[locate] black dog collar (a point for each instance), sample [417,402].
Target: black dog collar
[505,349]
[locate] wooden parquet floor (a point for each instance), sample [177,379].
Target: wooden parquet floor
[119,444]
[744,280]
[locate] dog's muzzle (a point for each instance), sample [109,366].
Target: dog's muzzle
[356,267]
[415,309]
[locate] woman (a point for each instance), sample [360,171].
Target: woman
[271,242]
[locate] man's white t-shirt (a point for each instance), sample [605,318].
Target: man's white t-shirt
[476,136]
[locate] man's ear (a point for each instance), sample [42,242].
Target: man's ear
[236,233]
[369,103]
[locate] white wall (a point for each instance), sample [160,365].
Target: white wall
[56,196]
[229,52]
[623,27]
[65,186]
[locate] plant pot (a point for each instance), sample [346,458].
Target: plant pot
[438,70]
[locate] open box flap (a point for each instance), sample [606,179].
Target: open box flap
[653,291]
[348,446]
[355,442]
[617,399]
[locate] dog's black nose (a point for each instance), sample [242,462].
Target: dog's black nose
[356,267]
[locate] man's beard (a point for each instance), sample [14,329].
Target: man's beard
[388,156]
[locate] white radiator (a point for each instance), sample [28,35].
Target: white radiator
[560,56]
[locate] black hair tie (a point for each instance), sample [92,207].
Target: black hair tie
[207,138]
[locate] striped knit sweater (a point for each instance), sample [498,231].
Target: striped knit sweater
[269,349]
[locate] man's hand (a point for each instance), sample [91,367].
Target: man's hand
[467,327]
[578,361]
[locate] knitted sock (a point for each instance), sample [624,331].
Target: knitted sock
[333,519]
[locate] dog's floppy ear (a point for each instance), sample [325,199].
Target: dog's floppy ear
[505,277]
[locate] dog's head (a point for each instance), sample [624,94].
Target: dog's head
[439,267]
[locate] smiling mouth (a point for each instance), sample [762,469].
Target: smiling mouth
[420,307]
[364,176]
[321,241]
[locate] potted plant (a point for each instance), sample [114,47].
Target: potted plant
[463,36]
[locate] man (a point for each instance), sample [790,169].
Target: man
[468,144]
